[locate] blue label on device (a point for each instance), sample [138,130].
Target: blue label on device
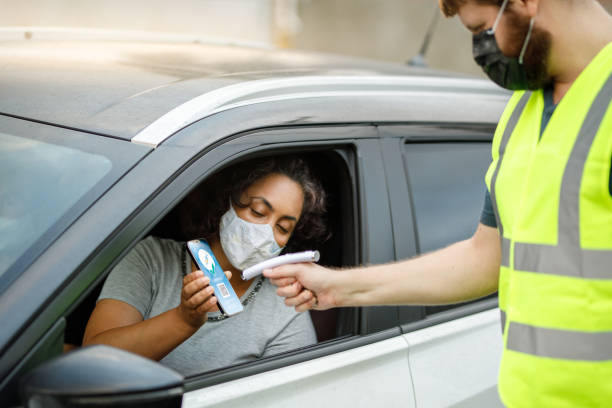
[227,300]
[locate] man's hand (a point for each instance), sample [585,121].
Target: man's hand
[463,271]
[304,286]
[197,299]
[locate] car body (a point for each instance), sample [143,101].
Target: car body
[105,137]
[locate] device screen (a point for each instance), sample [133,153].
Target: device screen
[227,300]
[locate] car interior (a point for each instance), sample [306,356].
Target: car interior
[331,166]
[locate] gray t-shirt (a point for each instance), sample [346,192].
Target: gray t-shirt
[150,279]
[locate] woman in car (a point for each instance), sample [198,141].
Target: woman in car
[157,304]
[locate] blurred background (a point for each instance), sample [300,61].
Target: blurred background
[391,30]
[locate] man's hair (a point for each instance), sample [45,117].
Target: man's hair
[450,7]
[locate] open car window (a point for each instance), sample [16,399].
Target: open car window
[332,169]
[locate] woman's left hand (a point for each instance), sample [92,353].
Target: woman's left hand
[197,299]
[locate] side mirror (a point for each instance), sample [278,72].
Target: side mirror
[101,376]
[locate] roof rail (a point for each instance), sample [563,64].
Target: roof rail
[279,89]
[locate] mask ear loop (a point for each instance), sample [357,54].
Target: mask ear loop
[498,18]
[527,38]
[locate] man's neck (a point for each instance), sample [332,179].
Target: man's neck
[579,34]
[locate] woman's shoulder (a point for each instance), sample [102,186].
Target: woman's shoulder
[160,245]
[156,253]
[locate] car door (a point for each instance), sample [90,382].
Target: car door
[328,373]
[437,179]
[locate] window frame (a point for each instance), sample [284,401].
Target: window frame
[395,137]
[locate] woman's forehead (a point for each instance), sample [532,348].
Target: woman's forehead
[279,192]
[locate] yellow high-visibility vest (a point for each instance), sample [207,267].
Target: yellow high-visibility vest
[554,213]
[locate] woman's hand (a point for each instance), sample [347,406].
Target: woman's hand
[121,325]
[197,299]
[304,286]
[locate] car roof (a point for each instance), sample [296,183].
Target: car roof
[123,88]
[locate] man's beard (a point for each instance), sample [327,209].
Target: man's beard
[536,55]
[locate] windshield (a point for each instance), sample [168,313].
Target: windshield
[49,176]
[39,183]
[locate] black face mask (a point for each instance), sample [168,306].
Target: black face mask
[506,72]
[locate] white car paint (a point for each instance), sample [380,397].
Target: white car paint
[361,377]
[439,366]
[456,361]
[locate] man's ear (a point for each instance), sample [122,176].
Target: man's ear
[525,8]
[531,6]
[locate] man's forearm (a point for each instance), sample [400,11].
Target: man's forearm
[463,271]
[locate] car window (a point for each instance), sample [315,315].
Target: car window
[37,186]
[447,184]
[184,222]
[45,183]
[447,187]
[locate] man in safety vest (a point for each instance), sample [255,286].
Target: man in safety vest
[545,236]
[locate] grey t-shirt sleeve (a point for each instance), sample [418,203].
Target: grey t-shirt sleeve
[299,332]
[487,217]
[131,281]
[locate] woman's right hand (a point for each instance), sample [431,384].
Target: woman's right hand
[197,299]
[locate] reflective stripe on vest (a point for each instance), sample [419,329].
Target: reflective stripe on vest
[516,114]
[505,255]
[514,118]
[564,344]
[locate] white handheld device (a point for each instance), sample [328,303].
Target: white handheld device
[306,256]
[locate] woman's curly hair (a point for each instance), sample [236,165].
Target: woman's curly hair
[202,209]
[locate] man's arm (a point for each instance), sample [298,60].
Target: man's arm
[463,271]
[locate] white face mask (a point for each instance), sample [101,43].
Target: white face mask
[245,243]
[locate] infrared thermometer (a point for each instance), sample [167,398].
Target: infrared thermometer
[255,270]
[227,300]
